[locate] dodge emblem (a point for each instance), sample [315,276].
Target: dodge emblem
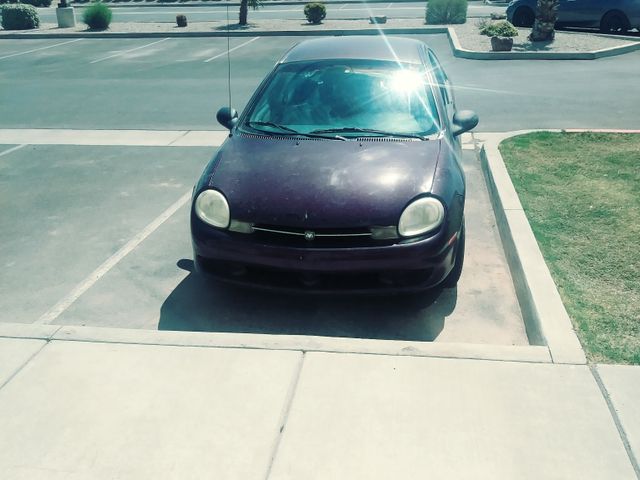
[309,235]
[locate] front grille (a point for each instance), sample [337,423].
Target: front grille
[298,237]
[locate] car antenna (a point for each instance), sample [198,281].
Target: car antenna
[228,57]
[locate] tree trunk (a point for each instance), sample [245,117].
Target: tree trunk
[544,26]
[244,10]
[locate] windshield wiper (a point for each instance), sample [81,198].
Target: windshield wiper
[371,130]
[284,130]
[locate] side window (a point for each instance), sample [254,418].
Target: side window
[440,77]
[443,84]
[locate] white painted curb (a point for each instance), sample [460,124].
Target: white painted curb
[140,138]
[545,317]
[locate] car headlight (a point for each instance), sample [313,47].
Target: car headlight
[421,216]
[212,208]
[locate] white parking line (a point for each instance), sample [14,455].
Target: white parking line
[59,308]
[41,48]
[231,50]
[13,149]
[130,50]
[343,6]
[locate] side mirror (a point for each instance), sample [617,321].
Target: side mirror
[227,117]
[463,121]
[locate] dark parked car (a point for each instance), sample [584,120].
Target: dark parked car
[342,174]
[610,16]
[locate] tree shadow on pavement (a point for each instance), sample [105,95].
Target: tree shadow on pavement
[198,304]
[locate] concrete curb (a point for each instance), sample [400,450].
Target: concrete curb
[528,353]
[458,51]
[545,317]
[253,33]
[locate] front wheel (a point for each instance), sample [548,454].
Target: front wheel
[453,277]
[614,22]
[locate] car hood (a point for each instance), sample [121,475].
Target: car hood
[309,183]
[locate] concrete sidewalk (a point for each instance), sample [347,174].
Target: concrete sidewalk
[79,409]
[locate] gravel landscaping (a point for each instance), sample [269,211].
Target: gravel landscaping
[467,33]
[470,39]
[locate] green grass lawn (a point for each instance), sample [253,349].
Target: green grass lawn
[581,194]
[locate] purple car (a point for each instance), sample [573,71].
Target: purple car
[341,175]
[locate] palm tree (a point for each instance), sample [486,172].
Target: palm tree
[544,26]
[244,9]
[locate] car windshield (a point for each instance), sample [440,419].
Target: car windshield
[346,97]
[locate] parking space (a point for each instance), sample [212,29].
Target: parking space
[67,209]
[72,208]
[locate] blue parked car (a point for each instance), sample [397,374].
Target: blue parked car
[610,16]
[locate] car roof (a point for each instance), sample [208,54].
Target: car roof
[365,47]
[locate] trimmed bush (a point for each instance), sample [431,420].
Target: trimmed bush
[181,20]
[499,29]
[19,17]
[97,16]
[444,12]
[315,12]
[35,3]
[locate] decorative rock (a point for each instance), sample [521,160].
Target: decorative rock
[181,20]
[378,19]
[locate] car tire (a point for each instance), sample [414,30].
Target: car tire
[452,279]
[524,17]
[614,22]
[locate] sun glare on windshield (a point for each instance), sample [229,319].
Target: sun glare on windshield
[407,81]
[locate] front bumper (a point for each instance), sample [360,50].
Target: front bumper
[399,267]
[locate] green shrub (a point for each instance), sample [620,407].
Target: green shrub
[498,29]
[315,12]
[19,17]
[97,16]
[35,3]
[444,12]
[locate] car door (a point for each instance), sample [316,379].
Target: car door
[568,12]
[581,13]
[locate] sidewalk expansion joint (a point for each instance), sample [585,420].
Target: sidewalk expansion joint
[616,420]
[184,134]
[26,362]
[293,388]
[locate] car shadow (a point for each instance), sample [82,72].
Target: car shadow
[198,304]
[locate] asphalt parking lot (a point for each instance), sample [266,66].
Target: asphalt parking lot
[67,209]
[178,83]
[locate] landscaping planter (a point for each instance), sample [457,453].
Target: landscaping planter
[66,17]
[501,44]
